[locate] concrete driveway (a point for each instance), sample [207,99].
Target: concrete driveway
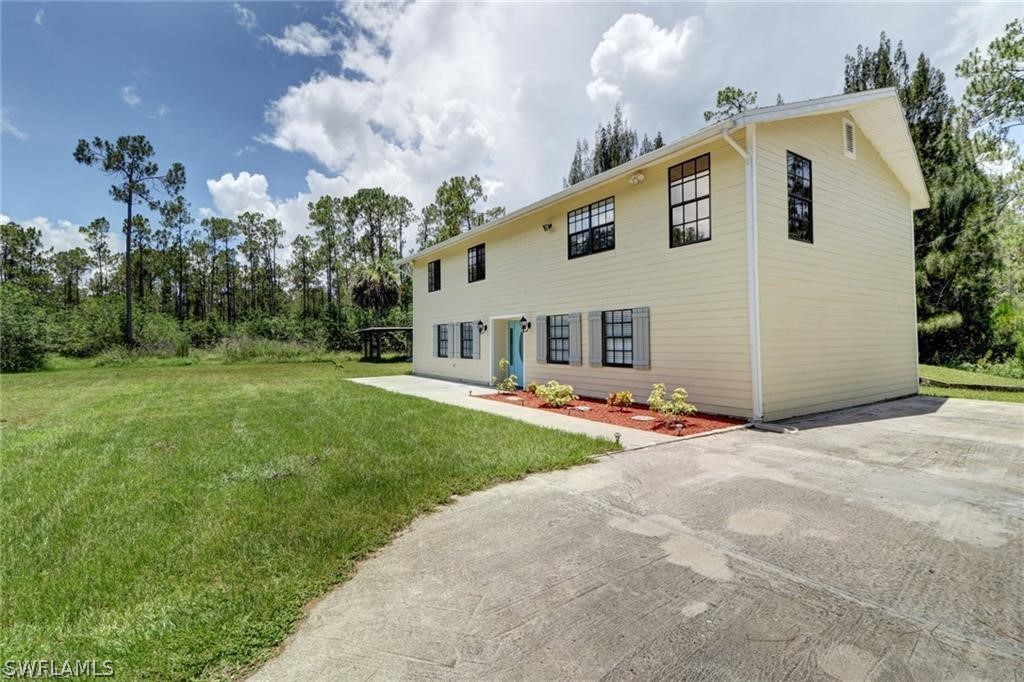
[879,542]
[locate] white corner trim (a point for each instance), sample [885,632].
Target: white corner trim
[753,278]
[749,156]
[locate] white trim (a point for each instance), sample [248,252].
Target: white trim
[917,336]
[753,279]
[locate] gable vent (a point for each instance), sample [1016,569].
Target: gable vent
[849,139]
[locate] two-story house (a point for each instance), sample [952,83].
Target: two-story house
[765,263]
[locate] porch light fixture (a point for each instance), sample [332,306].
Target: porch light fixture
[480,326]
[546,227]
[525,324]
[637,178]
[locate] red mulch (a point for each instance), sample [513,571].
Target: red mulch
[600,412]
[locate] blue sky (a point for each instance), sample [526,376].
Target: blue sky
[270,105]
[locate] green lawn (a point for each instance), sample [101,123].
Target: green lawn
[176,519]
[959,376]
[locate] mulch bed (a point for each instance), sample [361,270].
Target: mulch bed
[600,412]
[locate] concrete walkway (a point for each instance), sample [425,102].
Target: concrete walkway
[454,393]
[875,543]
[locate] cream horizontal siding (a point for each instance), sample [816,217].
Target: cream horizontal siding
[697,294]
[838,317]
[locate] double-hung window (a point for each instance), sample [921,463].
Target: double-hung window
[434,275]
[466,340]
[476,263]
[592,228]
[442,340]
[558,339]
[617,338]
[798,181]
[689,201]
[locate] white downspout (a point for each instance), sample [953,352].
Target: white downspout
[753,280]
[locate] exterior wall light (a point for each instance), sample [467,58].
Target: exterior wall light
[525,324]
[546,227]
[480,326]
[637,178]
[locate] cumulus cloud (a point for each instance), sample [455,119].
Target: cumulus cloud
[7,126]
[130,96]
[305,39]
[59,236]
[244,16]
[235,194]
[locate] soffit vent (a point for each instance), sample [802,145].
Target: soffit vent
[849,139]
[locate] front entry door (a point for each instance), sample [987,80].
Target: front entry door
[515,351]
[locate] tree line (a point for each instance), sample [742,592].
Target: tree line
[181,283]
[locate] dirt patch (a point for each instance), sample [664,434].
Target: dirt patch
[599,411]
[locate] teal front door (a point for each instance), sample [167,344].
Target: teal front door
[515,351]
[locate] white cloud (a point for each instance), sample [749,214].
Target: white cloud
[247,149]
[130,96]
[305,39]
[161,112]
[233,194]
[60,236]
[7,126]
[39,17]
[244,16]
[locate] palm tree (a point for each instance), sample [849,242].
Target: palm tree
[376,287]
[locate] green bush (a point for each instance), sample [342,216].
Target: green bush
[22,326]
[88,329]
[205,333]
[555,394]
[158,333]
[673,407]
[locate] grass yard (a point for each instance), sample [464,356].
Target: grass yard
[175,520]
[987,384]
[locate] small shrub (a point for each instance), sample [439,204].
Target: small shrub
[510,382]
[532,387]
[21,330]
[672,408]
[555,394]
[620,399]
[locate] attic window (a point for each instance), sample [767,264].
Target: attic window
[849,139]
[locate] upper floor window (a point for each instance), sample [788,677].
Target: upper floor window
[476,263]
[592,228]
[466,340]
[689,201]
[617,338]
[442,340]
[798,181]
[558,339]
[434,275]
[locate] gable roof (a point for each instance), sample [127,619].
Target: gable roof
[877,113]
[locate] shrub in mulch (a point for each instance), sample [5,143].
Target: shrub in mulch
[599,411]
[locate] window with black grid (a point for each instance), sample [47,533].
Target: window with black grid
[592,228]
[801,214]
[689,201]
[433,275]
[476,263]
[617,337]
[466,340]
[442,340]
[558,339]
